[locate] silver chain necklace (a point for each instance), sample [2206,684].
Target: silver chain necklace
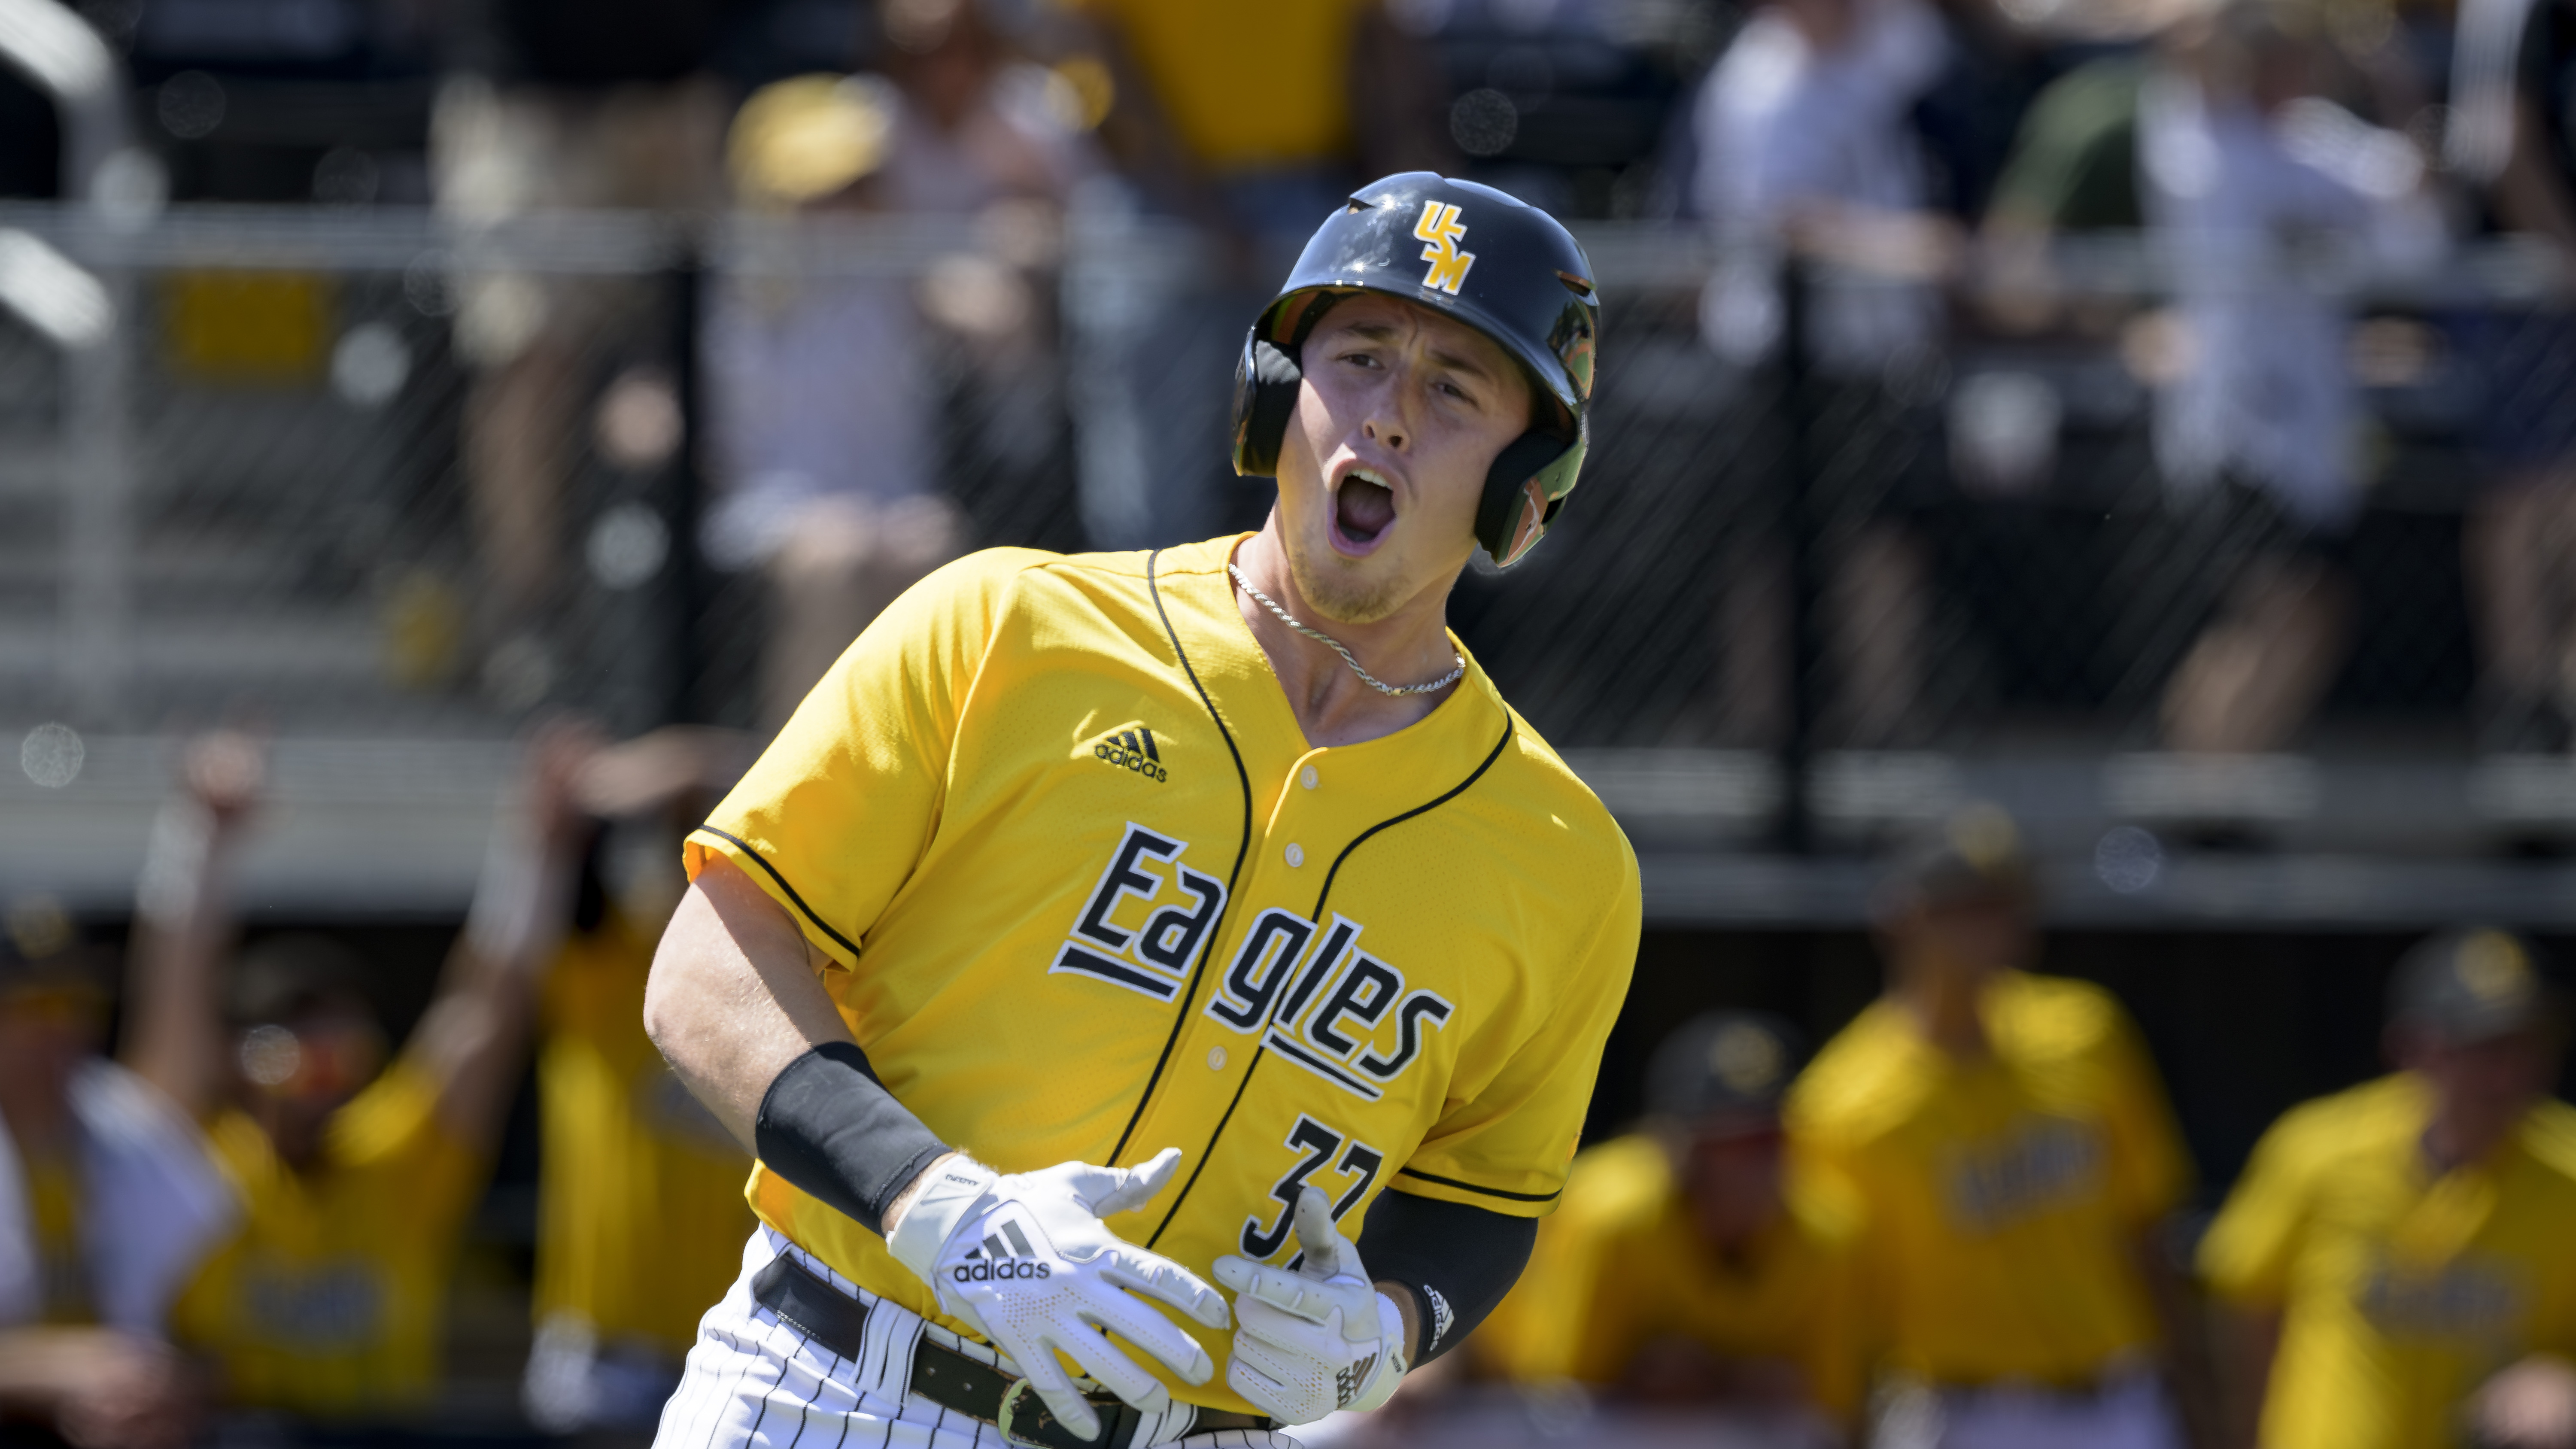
[1328,641]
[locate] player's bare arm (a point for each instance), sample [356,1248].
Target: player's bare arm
[174,1035]
[734,997]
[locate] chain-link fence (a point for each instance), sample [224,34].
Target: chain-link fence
[366,475]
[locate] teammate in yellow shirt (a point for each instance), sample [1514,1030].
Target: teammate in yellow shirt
[2015,1153]
[1218,866]
[1686,1265]
[2403,1254]
[355,1173]
[640,1214]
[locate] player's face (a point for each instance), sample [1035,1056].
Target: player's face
[45,1034]
[1402,413]
[2485,1086]
[1967,938]
[1732,1178]
[304,1070]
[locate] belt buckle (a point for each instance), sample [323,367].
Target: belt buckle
[1008,1409]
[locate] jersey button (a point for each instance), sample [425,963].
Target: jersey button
[1307,777]
[1296,856]
[1216,1059]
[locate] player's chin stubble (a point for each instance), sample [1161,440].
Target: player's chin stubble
[1340,593]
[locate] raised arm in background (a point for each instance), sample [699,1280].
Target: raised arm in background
[474,1036]
[183,924]
[469,1043]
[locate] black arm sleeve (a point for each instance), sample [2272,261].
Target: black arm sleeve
[1465,1257]
[830,1127]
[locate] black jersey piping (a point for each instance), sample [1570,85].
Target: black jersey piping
[1487,1191]
[1323,896]
[1454,792]
[757,859]
[1242,847]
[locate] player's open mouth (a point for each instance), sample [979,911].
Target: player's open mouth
[1363,506]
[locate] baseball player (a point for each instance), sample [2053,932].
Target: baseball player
[1686,1266]
[2009,1137]
[2403,1254]
[1107,928]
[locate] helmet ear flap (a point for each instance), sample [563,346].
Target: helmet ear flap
[1519,502]
[1265,395]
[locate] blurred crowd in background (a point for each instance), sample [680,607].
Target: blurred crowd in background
[232,1192]
[1891,182]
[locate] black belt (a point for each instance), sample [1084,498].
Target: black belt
[948,1378]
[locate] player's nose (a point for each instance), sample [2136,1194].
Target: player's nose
[1386,421]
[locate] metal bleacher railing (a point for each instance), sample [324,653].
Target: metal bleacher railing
[237,462]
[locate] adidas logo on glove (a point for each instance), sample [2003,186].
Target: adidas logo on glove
[995,1261]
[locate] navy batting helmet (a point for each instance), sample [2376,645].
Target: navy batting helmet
[1496,263]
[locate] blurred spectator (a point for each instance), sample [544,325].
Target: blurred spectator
[1684,1267]
[641,1215]
[555,105]
[1254,123]
[2253,180]
[824,390]
[2017,1157]
[355,1172]
[1804,152]
[108,1201]
[2398,1256]
[2514,99]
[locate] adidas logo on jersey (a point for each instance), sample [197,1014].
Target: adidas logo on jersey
[1132,749]
[998,1261]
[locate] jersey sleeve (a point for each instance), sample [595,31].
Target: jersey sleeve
[1508,1147]
[833,816]
[2247,1254]
[2150,1167]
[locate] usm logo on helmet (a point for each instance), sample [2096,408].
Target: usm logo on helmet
[1440,230]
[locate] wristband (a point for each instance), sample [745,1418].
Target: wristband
[829,1127]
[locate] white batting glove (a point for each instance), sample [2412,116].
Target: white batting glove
[1317,1339]
[1026,1261]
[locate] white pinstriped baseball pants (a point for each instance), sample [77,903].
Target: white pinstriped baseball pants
[754,1382]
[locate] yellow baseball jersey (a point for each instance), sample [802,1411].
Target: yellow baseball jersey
[2007,1197]
[331,1299]
[1088,893]
[640,1213]
[1620,1265]
[2401,1288]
